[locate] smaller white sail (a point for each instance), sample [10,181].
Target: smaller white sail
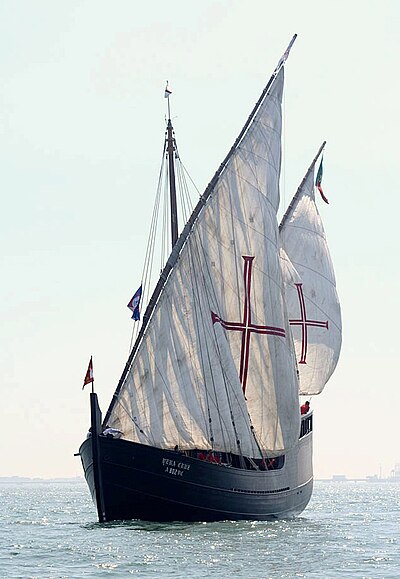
[310,286]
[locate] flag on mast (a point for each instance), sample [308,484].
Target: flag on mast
[167,91]
[318,182]
[134,304]
[89,374]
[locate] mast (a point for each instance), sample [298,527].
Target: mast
[299,189]
[177,246]
[171,175]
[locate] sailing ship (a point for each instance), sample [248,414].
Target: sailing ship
[243,320]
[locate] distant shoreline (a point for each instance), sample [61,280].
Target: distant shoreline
[25,479]
[79,479]
[368,479]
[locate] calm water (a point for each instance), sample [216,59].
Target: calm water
[349,530]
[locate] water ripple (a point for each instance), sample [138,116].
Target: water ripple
[349,530]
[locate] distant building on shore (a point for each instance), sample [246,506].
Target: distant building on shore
[394,477]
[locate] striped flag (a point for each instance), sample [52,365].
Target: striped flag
[318,182]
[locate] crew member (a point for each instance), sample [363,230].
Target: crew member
[304,408]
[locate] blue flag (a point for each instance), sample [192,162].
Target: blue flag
[134,304]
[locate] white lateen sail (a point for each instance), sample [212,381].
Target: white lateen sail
[312,301]
[216,367]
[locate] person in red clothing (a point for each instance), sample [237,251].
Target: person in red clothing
[304,408]
[213,457]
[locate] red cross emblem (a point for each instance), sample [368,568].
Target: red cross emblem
[304,323]
[246,326]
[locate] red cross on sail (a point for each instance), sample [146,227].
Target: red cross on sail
[246,326]
[304,323]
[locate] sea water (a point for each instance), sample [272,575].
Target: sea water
[350,529]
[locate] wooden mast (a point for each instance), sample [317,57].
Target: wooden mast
[171,175]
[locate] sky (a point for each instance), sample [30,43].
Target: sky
[82,120]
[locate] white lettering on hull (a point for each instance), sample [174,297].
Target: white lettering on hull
[174,467]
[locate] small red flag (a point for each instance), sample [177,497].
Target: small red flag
[89,374]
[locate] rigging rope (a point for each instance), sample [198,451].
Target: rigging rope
[200,271]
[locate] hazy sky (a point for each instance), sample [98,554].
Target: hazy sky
[81,131]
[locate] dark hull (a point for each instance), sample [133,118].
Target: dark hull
[135,481]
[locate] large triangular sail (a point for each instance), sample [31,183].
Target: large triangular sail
[311,296]
[215,366]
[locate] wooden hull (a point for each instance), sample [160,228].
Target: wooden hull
[133,481]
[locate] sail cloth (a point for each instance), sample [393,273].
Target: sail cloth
[216,366]
[312,301]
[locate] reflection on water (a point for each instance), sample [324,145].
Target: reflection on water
[50,530]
